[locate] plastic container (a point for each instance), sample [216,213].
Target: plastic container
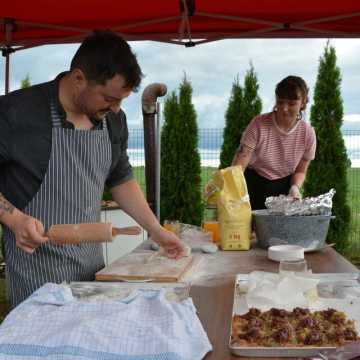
[306,231]
[292,267]
[286,253]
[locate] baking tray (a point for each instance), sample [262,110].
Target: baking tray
[340,291]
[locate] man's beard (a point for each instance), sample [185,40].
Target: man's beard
[101,114]
[97,115]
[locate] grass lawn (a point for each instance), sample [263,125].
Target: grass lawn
[139,173]
[353,253]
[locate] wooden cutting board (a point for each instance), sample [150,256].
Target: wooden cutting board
[147,265]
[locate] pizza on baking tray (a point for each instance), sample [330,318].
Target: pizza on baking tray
[299,327]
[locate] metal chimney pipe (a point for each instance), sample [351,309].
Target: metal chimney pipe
[149,109]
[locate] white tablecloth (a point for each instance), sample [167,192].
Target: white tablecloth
[52,324]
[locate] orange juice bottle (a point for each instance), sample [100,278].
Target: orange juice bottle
[211,224]
[213,227]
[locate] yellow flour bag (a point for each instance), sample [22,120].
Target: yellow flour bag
[234,210]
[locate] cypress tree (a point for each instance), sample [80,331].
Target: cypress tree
[232,130]
[25,83]
[251,103]
[329,168]
[180,160]
[191,209]
[169,159]
[244,105]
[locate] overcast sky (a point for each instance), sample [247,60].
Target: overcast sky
[211,68]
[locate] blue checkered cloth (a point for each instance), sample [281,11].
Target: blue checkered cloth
[52,324]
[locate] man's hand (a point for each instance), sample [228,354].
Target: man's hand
[131,199]
[171,244]
[295,192]
[29,232]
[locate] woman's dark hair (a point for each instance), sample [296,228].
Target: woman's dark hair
[103,55]
[290,87]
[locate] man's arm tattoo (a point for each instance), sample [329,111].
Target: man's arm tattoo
[5,206]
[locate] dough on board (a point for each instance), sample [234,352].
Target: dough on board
[162,252]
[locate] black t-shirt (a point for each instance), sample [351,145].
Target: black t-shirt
[26,139]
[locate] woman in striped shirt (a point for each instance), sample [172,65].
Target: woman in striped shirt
[276,148]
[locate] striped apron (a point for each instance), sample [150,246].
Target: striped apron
[70,193]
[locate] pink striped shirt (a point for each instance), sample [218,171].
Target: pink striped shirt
[277,153]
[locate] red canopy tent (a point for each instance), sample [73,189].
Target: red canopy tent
[25,24]
[42,21]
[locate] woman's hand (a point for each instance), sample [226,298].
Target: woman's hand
[242,156]
[295,192]
[298,178]
[170,243]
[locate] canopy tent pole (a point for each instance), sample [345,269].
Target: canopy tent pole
[7,70]
[158,159]
[273,26]
[9,26]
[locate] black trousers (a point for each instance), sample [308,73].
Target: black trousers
[260,188]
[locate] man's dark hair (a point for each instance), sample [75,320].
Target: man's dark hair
[103,55]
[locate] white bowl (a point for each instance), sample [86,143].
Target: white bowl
[285,252]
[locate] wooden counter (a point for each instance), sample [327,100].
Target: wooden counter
[213,293]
